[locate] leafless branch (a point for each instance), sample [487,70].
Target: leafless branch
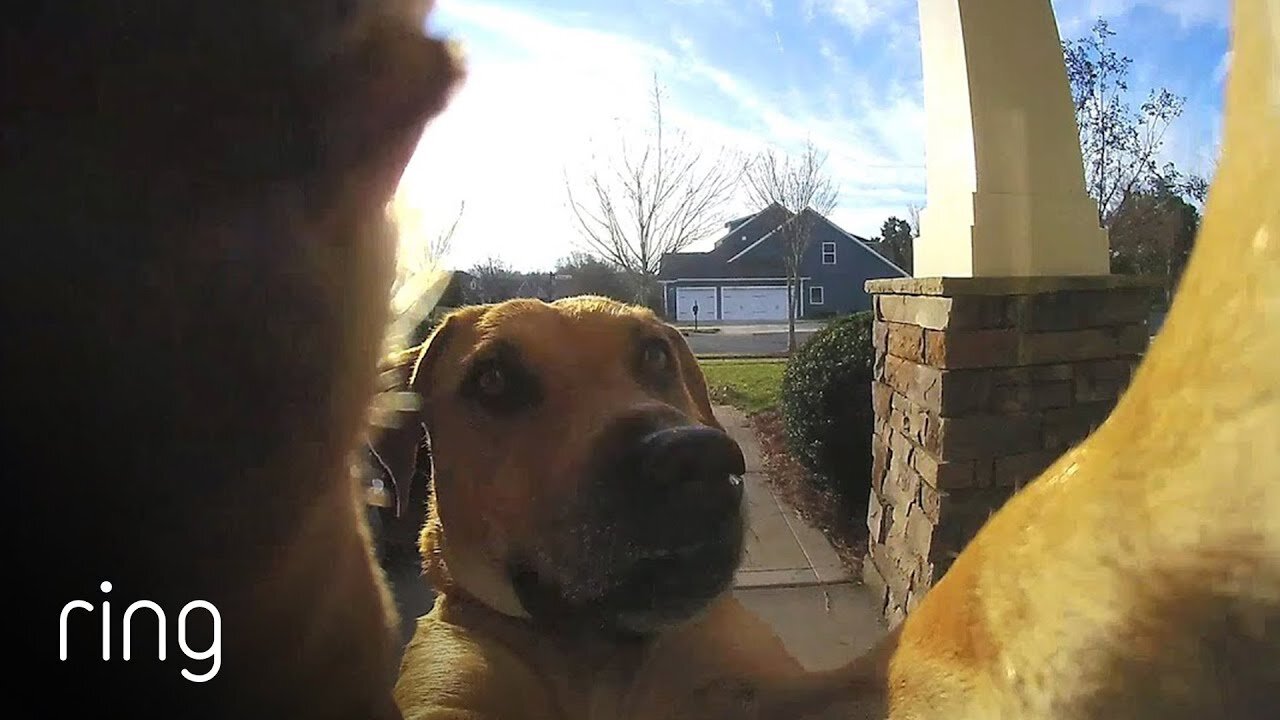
[440,244]
[425,256]
[1119,144]
[420,278]
[638,204]
[801,185]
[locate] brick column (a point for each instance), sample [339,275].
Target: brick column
[981,383]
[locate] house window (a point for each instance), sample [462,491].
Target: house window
[828,253]
[816,295]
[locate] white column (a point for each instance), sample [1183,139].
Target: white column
[1005,180]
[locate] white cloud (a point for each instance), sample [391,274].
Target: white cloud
[1193,141]
[1075,16]
[1224,65]
[858,15]
[539,90]
[875,147]
[1191,13]
[682,41]
[527,105]
[808,9]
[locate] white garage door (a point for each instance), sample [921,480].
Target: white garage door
[704,298]
[754,303]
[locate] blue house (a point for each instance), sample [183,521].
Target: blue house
[744,277]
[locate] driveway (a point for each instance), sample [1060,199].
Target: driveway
[747,339]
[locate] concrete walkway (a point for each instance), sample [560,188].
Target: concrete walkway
[792,577]
[782,549]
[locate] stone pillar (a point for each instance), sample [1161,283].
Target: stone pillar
[980,384]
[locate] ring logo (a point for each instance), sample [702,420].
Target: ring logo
[214,650]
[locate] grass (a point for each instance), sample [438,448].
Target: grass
[753,386]
[740,357]
[750,385]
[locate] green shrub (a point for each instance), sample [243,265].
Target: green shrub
[826,408]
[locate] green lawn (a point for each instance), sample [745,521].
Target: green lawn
[750,384]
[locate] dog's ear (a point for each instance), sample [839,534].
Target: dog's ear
[434,347]
[395,443]
[691,375]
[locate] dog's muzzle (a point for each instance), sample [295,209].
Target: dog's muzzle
[655,534]
[700,462]
[696,472]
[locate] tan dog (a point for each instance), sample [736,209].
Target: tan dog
[1138,577]
[586,502]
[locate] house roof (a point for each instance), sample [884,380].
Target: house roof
[682,263]
[734,223]
[743,233]
[747,236]
[861,242]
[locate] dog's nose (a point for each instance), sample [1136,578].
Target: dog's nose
[701,456]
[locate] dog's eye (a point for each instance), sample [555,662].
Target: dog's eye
[655,357]
[491,381]
[501,384]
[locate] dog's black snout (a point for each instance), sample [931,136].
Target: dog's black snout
[693,455]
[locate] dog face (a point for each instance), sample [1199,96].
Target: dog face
[580,477]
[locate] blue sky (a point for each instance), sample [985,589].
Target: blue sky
[549,80]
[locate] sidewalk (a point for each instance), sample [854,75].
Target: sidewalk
[792,577]
[782,549]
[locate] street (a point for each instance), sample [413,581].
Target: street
[755,339]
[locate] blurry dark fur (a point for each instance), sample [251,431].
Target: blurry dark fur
[192,332]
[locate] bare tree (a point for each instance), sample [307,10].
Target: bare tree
[585,274]
[493,280]
[421,279]
[440,244]
[426,256]
[652,199]
[801,186]
[1120,145]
